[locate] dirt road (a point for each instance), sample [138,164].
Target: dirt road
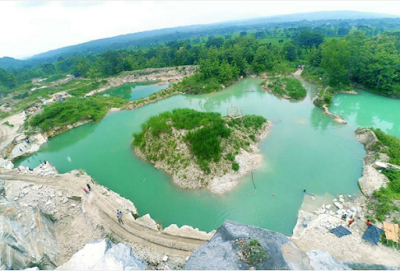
[91,216]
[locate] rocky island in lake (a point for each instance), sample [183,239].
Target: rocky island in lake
[202,150]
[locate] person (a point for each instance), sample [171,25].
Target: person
[88,186]
[304,191]
[84,189]
[368,222]
[351,222]
[344,217]
[119,216]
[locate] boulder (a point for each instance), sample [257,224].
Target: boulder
[220,253]
[104,255]
[371,180]
[322,260]
[5,165]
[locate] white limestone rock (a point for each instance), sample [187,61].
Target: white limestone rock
[103,255]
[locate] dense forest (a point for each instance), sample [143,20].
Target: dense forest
[334,54]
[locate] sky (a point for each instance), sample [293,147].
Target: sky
[32,27]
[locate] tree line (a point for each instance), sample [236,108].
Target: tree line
[372,62]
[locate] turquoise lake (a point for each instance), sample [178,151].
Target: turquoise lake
[305,150]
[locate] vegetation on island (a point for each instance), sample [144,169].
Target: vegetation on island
[74,110]
[209,137]
[386,199]
[286,87]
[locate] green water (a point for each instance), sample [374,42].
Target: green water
[306,150]
[134,91]
[369,110]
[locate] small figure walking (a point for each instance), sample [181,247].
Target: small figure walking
[84,189]
[368,222]
[88,186]
[351,222]
[119,216]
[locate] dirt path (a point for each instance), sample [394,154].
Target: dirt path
[298,72]
[97,210]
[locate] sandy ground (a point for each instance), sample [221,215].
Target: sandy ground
[161,75]
[312,232]
[83,218]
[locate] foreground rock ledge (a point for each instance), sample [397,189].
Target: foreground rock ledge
[282,254]
[45,217]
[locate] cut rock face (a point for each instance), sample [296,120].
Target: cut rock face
[27,238]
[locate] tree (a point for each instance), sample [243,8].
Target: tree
[335,56]
[289,51]
[216,42]
[264,59]
[343,31]
[307,40]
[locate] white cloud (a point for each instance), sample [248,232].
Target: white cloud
[34,27]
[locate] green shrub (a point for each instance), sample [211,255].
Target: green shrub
[230,157]
[235,166]
[384,197]
[196,84]
[8,124]
[73,110]
[392,142]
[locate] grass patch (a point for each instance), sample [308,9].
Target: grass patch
[392,142]
[384,198]
[55,78]
[74,110]
[83,89]
[290,87]
[8,124]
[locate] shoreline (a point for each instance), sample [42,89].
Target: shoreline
[315,221]
[247,161]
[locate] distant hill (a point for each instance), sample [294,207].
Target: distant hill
[168,34]
[320,15]
[9,63]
